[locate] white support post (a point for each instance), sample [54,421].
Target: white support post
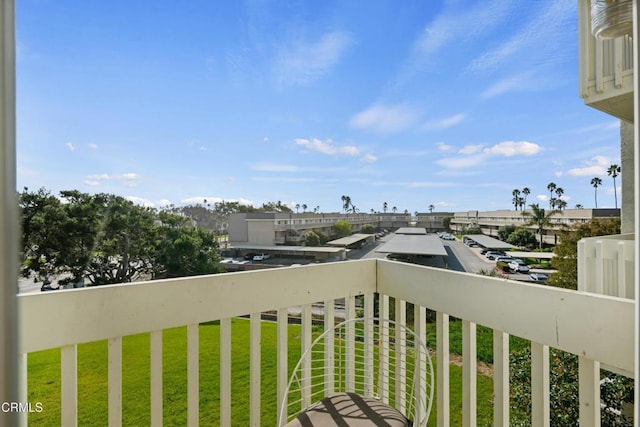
[383,370]
[69,389]
[282,361]
[368,344]
[350,338]
[636,201]
[442,360]
[115,382]
[155,339]
[401,354]
[23,387]
[589,391]
[225,372]
[469,374]
[500,379]
[420,330]
[254,366]
[9,225]
[193,375]
[306,363]
[539,385]
[329,348]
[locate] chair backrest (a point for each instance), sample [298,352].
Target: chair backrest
[368,356]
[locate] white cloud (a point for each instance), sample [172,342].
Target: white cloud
[542,197]
[327,147]
[70,146]
[93,146]
[127,179]
[385,118]
[369,158]
[203,148]
[461,162]
[445,123]
[163,202]
[597,166]
[517,82]
[444,147]
[303,62]
[511,148]
[470,149]
[271,167]
[140,201]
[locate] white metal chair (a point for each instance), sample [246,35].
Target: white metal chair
[362,372]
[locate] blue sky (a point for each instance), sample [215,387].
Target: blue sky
[453,103]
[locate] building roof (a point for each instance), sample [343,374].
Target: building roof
[411,230]
[282,248]
[349,240]
[414,244]
[488,242]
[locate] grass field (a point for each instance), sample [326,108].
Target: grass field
[44,379]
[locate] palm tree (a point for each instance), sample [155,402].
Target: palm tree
[516,198]
[579,206]
[551,187]
[431,208]
[596,182]
[526,192]
[385,205]
[559,193]
[297,207]
[394,209]
[561,204]
[346,203]
[304,207]
[540,218]
[613,172]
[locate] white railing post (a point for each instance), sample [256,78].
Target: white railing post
[350,337]
[442,360]
[193,375]
[329,348]
[401,354]
[368,344]
[420,331]
[383,370]
[589,391]
[115,382]
[282,361]
[225,372]
[69,388]
[306,363]
[469,372]
[500,379]
[254,366]
[155,350]
[539,384]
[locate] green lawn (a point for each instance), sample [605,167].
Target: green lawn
[44,379]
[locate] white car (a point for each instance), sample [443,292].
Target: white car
[519,266]
[261,257]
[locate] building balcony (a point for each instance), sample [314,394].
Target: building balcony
[597,328]
[606,69]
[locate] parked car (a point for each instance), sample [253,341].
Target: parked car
[503,258]
[447,236]
[250,256]
[494,254]
[538,277]
[47,287]
[261,257]
[519,266]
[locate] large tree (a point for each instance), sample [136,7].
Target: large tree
[540,218]
[551,187]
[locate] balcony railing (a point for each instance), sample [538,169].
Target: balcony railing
[607,265]
[597,328]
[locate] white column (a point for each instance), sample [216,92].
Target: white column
[9,218]
[636,197]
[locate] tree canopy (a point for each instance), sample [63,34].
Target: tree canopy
[104,239]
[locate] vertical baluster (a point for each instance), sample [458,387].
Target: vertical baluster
[383,365]
[599,265]
[469,369]
[589,391]
[539,384]
[350,313]
[368,344]
[500,379]
[329,348]
[69,389]
[599,66]
[401,355]
[617,62]
[193,375]
[442,361]
[306,362]
[115,382]
[420,362]
[283,368]
[254,350]
[22,388]
[225,372]
[156,377]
